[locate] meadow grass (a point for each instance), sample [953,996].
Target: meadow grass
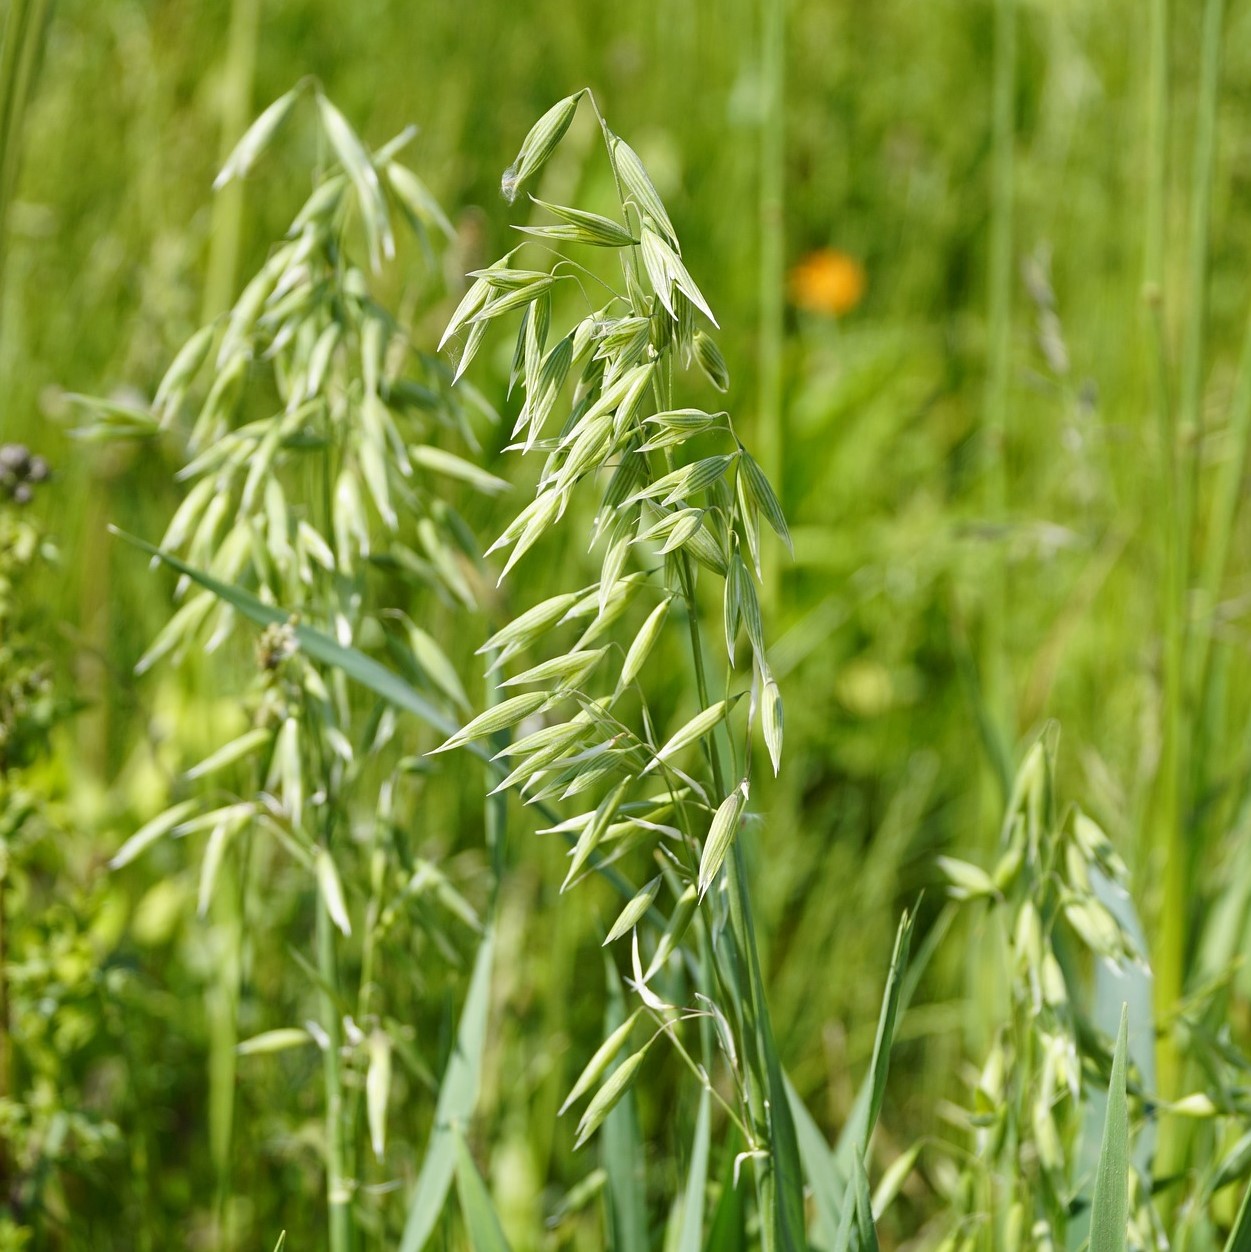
[1012,477]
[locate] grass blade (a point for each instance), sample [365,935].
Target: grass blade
[1240,1237]
[457,1097]
[690,1232]
[355,664]
[1109,1216]
[846,1224]
[859,1129]
[864,1207]
[821,1170]
[485,1232]
[728,1229]
[621,1144]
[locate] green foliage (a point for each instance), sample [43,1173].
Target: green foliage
[669,512]
[1012,484]
[320,508]
[1052,1160]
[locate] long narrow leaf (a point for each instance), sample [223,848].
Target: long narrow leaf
[457,1097]
[1109,1214]
[1240,1237]
[825,1181]
[621,1144]
[859,1128]
[864,1208]
[485,1232]
[691,1230]
[355,664]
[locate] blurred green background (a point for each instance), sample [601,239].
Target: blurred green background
[944,603]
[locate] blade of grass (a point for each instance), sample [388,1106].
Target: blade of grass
[859,1128]
[485,1232]
[691,1229]
[999,349]
[1109,1215]
[338,1191]
[771,434]
[864,1207]
[728,1230]
[458,1095]
[356,665]
[1183,449]
[226,231]
[621,1151]
[1240,1236]
[1226,494]
[825,1180]
[25,26]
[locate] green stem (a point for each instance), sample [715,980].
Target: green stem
[6,1016]
[1156,163]
[770,430]
[1166,808]
[1182,450]
[1196,330]
[779,1187]
[25,24]
[1225,495]
[226,231]
[364,999]
[1191,391]
[999,347]
[338,1192]
[338,1199]
[221,1002]
[1161,822]
[1192,360]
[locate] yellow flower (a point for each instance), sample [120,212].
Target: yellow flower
[827,281]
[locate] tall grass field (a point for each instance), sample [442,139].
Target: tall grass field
[625,629]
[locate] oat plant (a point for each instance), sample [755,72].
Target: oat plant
[1066,1129]
[678,504]
[316,505]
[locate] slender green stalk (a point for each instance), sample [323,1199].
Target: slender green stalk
[338,1197]
[770,403]
[995,681]
[1167,807]
[1224,511]
[1195,326]
[1195,336]
[1181,448]
[226,232]
[780,1193]
[1162,820]
[1156,163]
[25,25]
[221,1002]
